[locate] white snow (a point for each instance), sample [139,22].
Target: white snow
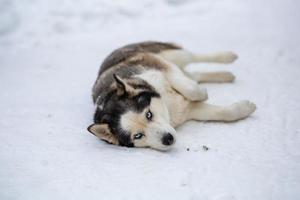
[50,52]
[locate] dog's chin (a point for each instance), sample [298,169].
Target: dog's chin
[163,148]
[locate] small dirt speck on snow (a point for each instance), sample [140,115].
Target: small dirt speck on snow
[205,148]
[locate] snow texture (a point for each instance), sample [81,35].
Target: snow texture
[50,52]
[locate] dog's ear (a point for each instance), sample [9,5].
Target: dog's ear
[122,86]
[102,131]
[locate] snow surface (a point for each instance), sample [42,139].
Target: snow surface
[50,52]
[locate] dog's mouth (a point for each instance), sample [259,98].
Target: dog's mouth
[163,148]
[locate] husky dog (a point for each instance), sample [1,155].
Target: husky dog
[142,93]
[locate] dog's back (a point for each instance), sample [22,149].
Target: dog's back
[125,53]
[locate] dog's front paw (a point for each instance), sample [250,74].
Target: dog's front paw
[198,94]
[241,109]
[227,57]
[203,96]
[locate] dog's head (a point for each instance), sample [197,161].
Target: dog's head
[133,115]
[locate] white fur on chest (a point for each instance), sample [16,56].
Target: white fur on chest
[176,103]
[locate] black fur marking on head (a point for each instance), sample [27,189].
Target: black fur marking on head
[124,138]
[114,106]
[97,116]
[144,99]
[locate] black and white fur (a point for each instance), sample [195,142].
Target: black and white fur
[142,93]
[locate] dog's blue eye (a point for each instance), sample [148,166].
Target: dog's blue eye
[138,136]
[149,115]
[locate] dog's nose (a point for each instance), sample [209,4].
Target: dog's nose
[168,139]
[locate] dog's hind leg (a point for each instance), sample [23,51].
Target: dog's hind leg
[212,77]
[206,112]
[183,57]
[221,57]
[179,57]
